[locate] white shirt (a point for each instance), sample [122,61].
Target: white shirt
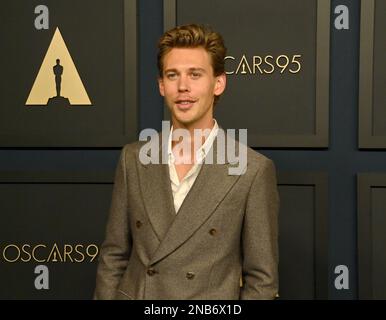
[181,188]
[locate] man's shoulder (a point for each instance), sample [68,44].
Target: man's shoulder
[253,156]
[133,147]
[256,157]
[257,160]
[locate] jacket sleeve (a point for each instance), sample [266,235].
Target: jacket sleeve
[116,248]
[260,237]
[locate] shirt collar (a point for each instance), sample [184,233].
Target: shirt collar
[201,151]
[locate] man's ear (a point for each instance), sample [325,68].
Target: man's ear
[220,84]
[161,86]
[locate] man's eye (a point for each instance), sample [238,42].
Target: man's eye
[171,75]
[195,75]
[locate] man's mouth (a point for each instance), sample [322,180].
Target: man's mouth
[185,104]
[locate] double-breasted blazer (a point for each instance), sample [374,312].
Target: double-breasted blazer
[226,230]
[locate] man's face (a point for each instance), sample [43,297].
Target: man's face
[189,85]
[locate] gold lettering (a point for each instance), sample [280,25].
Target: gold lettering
[243,63]
[95,251]
[296,62]
[5,249]
[257,65]
[266,64]
[67,253]
[270,64]
[33,252]
[76,250]
[28,254]
[282,66]
[232,58]
[55,251]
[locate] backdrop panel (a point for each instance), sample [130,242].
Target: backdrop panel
[56,220]
[372,81]
[277,66]
[73,84]
[371,235]
[303,235]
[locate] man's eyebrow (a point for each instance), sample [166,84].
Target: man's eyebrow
[170,70]
[190,69]
[197,69]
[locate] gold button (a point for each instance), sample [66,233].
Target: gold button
[151,271]
[190,275]
[138,224]
[213,231]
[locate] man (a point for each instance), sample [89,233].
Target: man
[189,229]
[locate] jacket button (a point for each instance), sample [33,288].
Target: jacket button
[138,224]
[190,275]
[213,232]
[151,271]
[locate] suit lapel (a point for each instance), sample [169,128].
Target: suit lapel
[157,195]
[210,187]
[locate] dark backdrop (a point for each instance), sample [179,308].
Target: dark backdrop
[340,162]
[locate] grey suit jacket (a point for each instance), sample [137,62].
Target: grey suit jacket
[226,229]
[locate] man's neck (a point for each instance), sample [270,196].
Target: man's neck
[203,126]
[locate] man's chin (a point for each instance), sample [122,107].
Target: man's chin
[183,117]
[184,121]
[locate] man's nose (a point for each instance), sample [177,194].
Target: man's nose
[183,84]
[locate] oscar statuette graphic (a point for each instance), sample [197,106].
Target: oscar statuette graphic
[58,100]
[58,83]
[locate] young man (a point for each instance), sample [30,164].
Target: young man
[189,229]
